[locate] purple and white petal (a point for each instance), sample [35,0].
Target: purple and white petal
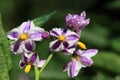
[45,35]
[55,45]
[25,27]
[41,63]
[33,58]
[36,34]
[79,52]
[56,32]
[64,31]
[89,53]
[30,45]
[74,68]
[16,46]
[69,50]
[21,64]
[86,61]
[14,34]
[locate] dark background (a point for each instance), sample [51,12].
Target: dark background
[102,33]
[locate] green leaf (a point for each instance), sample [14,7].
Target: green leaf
[108,60]
[4,43]
[43,19]
[3,67]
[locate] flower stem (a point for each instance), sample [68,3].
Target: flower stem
[47,61]
[38,72]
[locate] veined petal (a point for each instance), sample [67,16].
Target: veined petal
[36,33]
[21,64]
[65,44]
[23,61]
[72,37]
[41,63]
[55,45]
[86,61]
[89,53]
[64,31]
[29,45]
[74,69]
[33,58]
[25,27]
[14,34]
[69,50]
[16,45]
[56,32]
[79,52]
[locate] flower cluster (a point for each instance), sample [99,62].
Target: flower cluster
[66,40]
[23,43]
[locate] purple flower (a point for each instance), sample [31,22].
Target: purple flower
[24,37]
[77,22]
[65,39]
[28,60]
[80,59]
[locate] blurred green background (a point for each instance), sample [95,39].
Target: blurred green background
[102,33]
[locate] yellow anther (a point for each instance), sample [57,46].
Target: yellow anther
[27,68]
[82,45]
[62,38]
[23,36]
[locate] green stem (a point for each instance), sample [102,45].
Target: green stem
[38,72]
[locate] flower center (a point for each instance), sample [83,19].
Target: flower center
[62,38]
[75,57]
[82,45]
[23,36]
[27,68]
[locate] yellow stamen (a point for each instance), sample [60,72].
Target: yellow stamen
[27,68]
[23,36]
[62,38]
[82,45]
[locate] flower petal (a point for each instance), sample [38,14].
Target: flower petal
[55,45]
[21,64]
[74,69]
[65,44]
[69,50]
[30,45]
[64,31]
[14,34]
[33,58]
[16,45]
[36,33]
[89,53]
[56,32]
[79,52]
[41,63]
[86,61]
[25,27]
